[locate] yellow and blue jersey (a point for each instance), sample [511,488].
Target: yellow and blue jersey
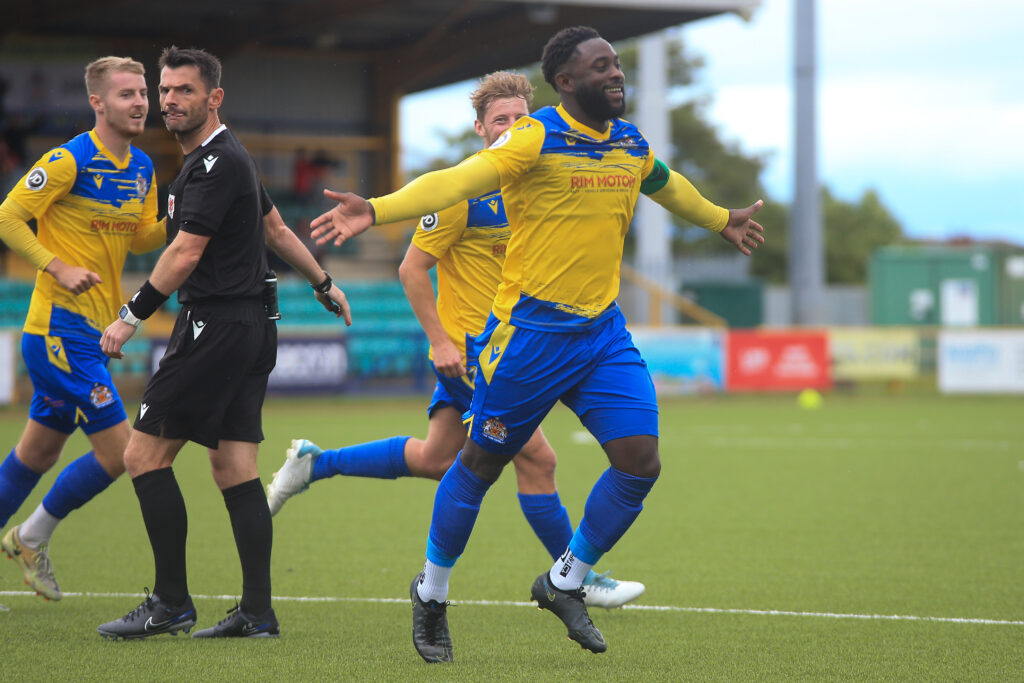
[469,241]
[91,209]
[569,194]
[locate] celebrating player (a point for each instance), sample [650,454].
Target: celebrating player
[569,176]
[467,244]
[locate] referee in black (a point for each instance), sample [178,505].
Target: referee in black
[212,379]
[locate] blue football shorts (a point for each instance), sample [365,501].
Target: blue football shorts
[456,392]
[597,372]
[71,384]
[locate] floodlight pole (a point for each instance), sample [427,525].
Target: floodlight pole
[806,241]
[653,240]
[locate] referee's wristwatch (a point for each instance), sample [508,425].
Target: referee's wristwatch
[325,286]
[126,315]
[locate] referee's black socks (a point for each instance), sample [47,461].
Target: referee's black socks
[254,535]
[163,511]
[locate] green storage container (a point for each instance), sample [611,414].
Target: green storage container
[947,286]
[740,303]
[1011,290]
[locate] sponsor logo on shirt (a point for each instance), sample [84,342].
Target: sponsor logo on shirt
[109,226]
[428,222]
[36,179]
[500,142]
[601,181]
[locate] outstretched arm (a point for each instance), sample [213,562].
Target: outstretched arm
[437,189]
[678,195]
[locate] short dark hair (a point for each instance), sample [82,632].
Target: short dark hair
[561,48]
[209,66]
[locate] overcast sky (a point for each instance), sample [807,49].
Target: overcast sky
[922,100]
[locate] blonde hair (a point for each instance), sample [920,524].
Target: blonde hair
[97,72]
[498,86]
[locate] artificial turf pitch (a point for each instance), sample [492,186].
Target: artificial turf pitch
[879,537]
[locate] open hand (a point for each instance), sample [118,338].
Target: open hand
[742,230]
[351,216]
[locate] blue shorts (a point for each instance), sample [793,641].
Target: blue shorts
[71,384]
[598,373]
[456,392]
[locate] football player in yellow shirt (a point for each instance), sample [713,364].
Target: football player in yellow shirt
[94,199]
[570,177]
[466,242]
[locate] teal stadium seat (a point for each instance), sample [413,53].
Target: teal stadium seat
[385,340]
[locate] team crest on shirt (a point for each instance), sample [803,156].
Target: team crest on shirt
[101,395]
[428,222]
[170,205]
[36,179]
[141,186]
[495,430]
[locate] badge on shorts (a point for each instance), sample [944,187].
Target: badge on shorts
[101,395]
[495,430]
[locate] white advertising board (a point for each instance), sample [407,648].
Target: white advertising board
[975,361]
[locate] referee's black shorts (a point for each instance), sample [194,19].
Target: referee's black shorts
[213,377]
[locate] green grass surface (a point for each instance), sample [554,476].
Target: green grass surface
[907,505]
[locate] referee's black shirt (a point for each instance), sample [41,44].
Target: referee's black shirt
[219,193]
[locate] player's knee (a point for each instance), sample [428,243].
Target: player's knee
[635,455]
[112,463]
[434,466]
[536,468]
[487,466]
[38,459]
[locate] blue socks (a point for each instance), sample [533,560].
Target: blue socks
[16,482]
[548,519]
[77,484]
[384,459]
[615,501]
[456,506]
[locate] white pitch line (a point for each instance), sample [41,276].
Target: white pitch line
[512,603]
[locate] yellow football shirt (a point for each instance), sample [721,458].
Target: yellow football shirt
[91,209]
[469,241]
[569,195]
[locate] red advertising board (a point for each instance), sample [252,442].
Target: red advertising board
[778,361]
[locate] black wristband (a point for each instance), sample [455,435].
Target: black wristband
[324,286]
[146,301]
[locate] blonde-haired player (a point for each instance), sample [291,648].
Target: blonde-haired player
[94,199]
